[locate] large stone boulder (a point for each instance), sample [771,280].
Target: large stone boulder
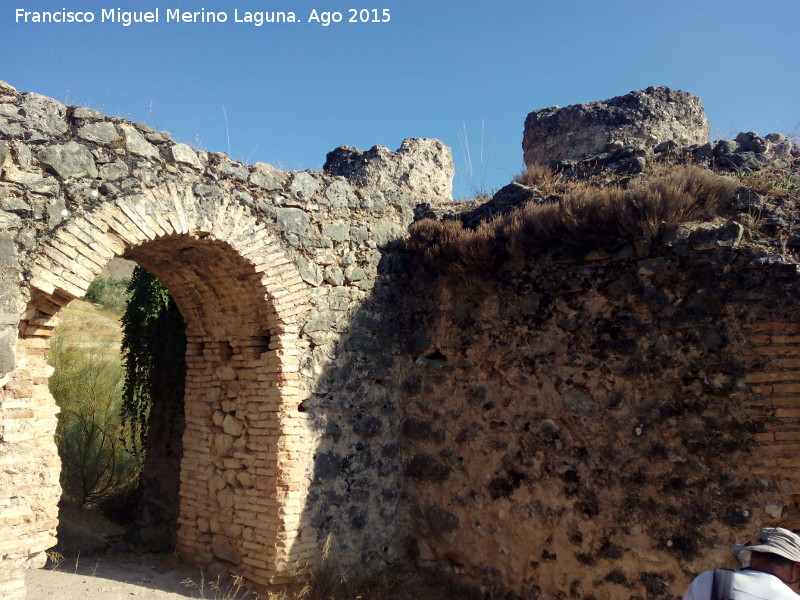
[423,166]
[640,120]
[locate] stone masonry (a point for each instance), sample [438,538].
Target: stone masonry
[268,269]
[424,167]
[574,423]
[640,120]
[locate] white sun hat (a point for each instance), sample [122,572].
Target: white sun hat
[776,540]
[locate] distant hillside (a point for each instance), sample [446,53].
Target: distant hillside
[118,268]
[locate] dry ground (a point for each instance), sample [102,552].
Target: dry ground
[114,578]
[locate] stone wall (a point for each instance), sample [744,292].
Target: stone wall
[423,166]
[601,424]
[277,276]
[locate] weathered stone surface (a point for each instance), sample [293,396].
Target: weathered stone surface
[36,183]
[8,341]
[232,426]
[101,132]
[7,89]
[181,153]
[225,549]
[136,144]
[710,237]
[114,171]
[24,155]
[423,166]
[340,194]
[158,137]
[704,236]
[3,155]
[387,232]
[9,220]
[226,166]
[327,466]
[303,185]
[293,220]
[69,160]
[267,177]
[750,141]
[82,112]
[14,204]
[641,120]
[506,199]
[44,115]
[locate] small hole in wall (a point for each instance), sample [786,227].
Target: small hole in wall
[436,355]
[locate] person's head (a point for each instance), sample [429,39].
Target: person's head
[788,571]
[777,552]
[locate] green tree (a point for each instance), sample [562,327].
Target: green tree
[154,348]
[109,292]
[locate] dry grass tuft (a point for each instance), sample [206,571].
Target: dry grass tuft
[584,218]
[544,180]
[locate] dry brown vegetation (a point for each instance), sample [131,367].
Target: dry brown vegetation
[585,217]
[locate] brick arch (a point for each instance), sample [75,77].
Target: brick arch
[246,445]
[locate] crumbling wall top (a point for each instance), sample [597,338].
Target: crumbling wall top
[640,119]
[423,166]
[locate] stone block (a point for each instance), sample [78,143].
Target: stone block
[641,120]
[422,167]
[69,160]
[8,342]
[181,153]
[102,132]
[267,177]
[292,220]
[44,115]
[136,144]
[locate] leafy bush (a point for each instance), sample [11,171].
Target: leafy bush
[98,455]
[109,292]
[154,347]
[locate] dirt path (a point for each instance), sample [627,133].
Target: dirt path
[117,578]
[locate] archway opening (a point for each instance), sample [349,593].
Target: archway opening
[239,392]
[101,457]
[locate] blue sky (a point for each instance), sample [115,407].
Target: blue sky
[439,68]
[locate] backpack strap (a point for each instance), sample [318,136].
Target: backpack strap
[721,588]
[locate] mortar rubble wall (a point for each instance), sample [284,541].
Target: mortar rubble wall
[64,214]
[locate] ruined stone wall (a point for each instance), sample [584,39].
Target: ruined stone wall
[289,415]
[640,120]
[602,425]
[599,425]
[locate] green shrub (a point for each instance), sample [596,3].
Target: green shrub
[154,350]
[98,455]
[109,292]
